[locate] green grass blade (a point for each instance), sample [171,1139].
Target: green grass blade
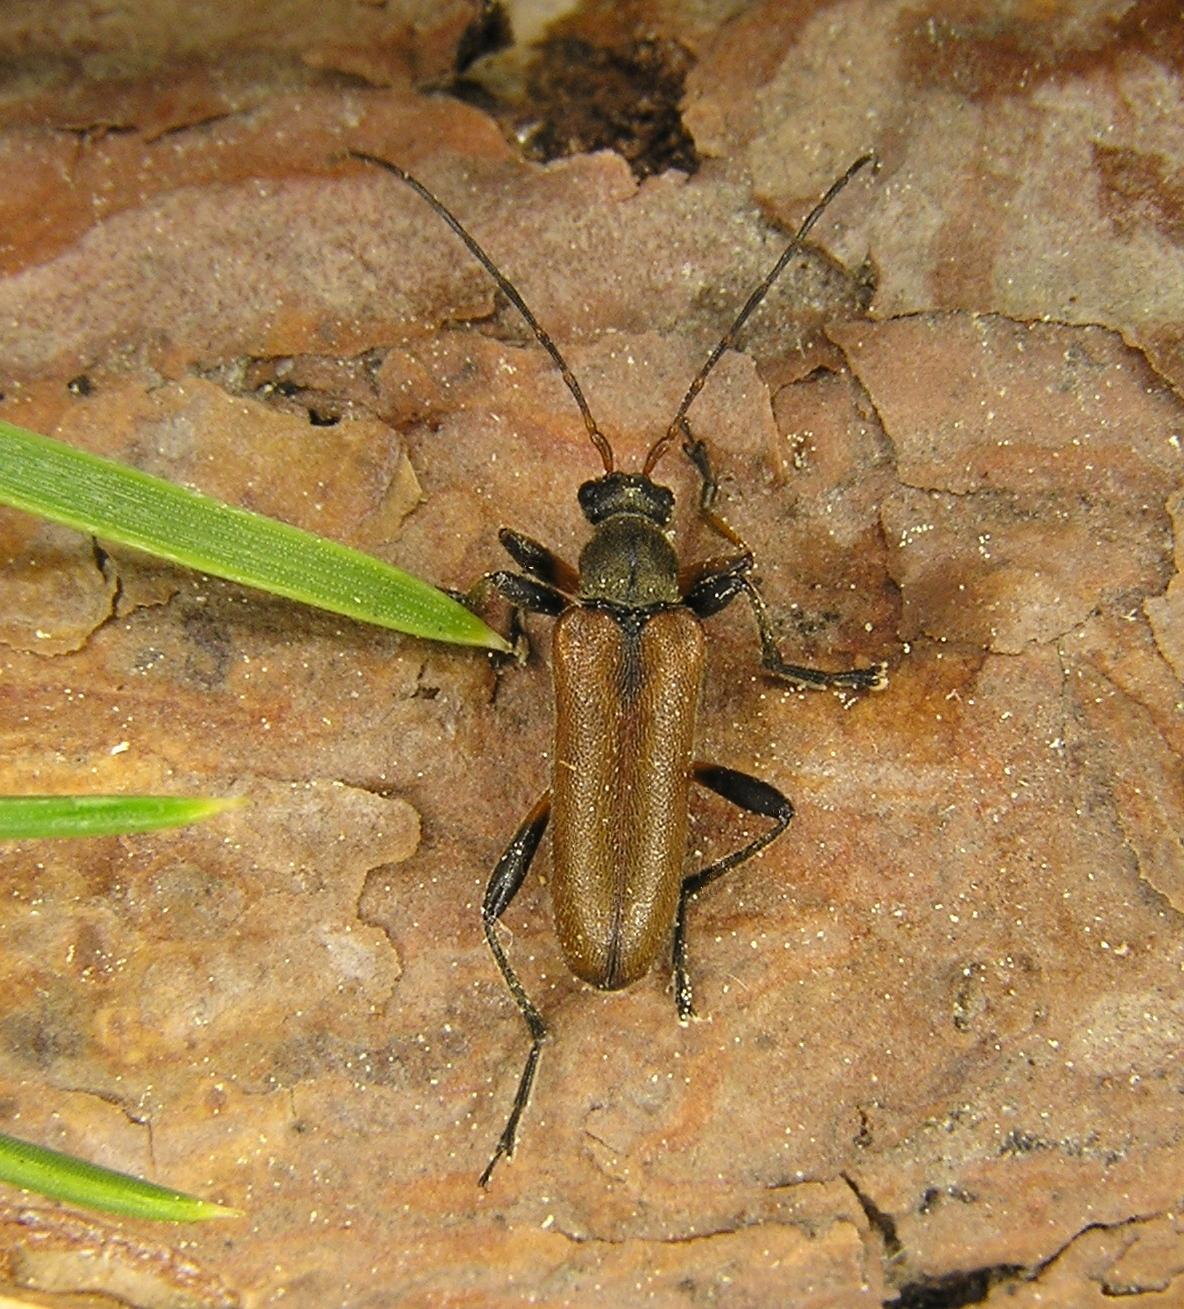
[29,817]
[118,503]
[63,1177]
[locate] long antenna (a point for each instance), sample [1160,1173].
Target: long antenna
[595,435]
[678,424]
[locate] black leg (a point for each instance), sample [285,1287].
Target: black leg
[522,593]
[503,886]
[855,679]
[539,561]
[754,797]
[696,451]
[714,585]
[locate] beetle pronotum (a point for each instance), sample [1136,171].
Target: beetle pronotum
[627,661]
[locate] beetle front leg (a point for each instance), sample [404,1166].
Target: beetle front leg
[540,561]
[503,886]
[696,451]
[754,797]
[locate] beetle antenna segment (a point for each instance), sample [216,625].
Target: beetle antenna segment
[678,424]
[595,435]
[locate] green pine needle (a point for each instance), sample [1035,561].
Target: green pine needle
[64,1177]
[117,503]
[30,817]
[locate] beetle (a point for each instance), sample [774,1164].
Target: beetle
[627,661]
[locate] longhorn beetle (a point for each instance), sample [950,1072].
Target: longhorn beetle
[627,660]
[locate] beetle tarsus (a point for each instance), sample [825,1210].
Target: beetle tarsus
[695,449]
[506,1142]
[803,678]
[518,639]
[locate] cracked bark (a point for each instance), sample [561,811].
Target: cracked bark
[957,951]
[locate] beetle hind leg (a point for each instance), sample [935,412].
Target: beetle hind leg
[754,797]
[503,886]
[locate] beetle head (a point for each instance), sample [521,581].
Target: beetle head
[626,493]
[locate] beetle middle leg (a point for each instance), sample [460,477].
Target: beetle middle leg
[713,585]
[856,679]
[503,886]
[524,594]
[754,797]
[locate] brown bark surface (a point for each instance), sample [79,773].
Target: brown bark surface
[944,1022]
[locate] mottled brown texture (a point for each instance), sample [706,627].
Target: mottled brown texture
[943,1030]
[1031,156]
[625,710]
[124,43]
[65,1256]
[56,588]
